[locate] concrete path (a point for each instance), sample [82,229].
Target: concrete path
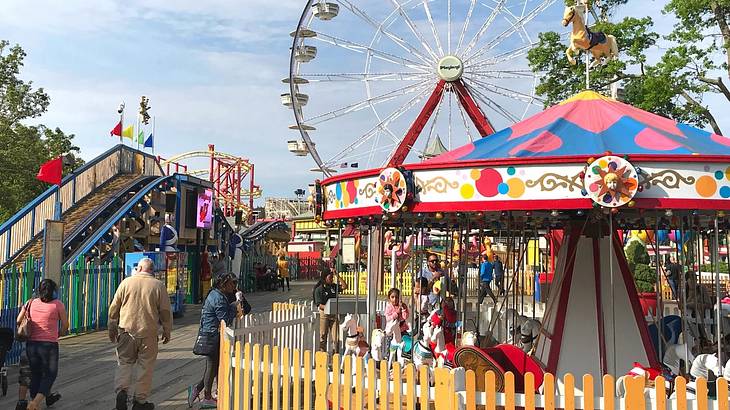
[87,363]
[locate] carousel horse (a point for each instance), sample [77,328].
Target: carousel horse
[422,353]
[648,376]
[707,367]
[469,339]
[529,330]
[514,323]
[439,348]
[377,340]
[674,358]
[353,343]
[396,343]
[582,38]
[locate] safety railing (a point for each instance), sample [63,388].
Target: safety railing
[18,231]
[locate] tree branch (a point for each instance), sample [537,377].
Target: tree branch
[717,83]
[720,12]
[703,111]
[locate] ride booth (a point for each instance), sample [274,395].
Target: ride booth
[172,269]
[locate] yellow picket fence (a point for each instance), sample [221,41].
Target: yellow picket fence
[256,377]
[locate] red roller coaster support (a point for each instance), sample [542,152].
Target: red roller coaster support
[484,127]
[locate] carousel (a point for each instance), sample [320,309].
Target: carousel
[581,173]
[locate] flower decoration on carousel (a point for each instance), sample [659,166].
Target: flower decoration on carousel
[392,189]
[610,181]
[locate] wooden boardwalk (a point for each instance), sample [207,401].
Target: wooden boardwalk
[87,363]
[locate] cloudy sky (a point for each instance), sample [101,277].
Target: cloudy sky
[212,71]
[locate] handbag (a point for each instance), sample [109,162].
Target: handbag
[22,333]
[206,344]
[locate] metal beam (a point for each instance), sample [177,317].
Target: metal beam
[472,109]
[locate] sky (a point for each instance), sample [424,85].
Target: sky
[212,71]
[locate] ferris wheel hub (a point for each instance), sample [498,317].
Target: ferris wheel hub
[450,68]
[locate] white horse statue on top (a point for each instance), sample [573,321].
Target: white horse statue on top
[582,38]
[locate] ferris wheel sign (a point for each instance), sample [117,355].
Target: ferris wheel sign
[611,181]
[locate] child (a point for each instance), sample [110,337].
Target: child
[397,310]
[434,298]
[446,318]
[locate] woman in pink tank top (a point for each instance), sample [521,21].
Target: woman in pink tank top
[45,313]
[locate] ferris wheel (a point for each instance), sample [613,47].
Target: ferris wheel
[382,82]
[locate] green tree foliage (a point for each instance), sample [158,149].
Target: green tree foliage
[638,261]
[673,86]
[23,148]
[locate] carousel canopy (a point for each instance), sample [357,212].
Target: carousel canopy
[589,124]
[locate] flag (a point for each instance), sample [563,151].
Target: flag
[150,142]
[343,165]
[140,137]
[353,165]
[117,130]
[128,132]
[51,171]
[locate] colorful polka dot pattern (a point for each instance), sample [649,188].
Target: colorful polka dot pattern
[707,186]
[489,183]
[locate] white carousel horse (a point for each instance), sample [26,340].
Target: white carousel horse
[352,336]
[726,372]
[529,330]
[439,351]
[581,38]
[422,353]
[396,343]
[674,354]
[706,366]
[514,323]
[648,375]
[469,339]
[377,340]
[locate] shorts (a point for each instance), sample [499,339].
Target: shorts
[24,369]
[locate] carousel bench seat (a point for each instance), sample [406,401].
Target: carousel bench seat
[500,359]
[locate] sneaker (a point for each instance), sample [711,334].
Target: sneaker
[193,394]
[22,405]
[142,406]
[52,398]
[121,400]
[208,403]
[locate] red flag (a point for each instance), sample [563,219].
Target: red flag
[117,129]
[51,171]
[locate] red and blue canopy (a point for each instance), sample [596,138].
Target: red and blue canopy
[591,124]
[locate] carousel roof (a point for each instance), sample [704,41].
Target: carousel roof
[589,124]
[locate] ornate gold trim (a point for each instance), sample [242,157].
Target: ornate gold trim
[438,184]
[667,178]
[368,190]
[551,181]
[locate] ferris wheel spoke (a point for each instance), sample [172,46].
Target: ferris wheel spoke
[488,102]
[413,29]
[357,106]
[434,120]
[464,27]
[362,48]
[448,25]
[483,28]
[462,114]
[381,126]
[434,30]
[502,57]
[517,25]
[506,92]
[407,46]
[337,77]
[502,74]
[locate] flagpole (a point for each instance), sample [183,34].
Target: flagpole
[139,127]
[121,121]
[154,122]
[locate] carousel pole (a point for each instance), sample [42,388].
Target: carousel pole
[588,55]
[462,274]
[480,240]
[682,296]
[658,279]
[718,310]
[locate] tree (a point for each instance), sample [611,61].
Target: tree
[23,148]
[638,260]
[674,85]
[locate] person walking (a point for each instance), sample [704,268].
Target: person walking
[328,321]
[673,272]
[220,304]
[498,274]
[44,314]
[140,304]
[485,277]
[282,265]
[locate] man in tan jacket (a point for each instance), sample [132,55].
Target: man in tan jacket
[140,305]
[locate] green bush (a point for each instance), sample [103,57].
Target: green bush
[636,253]
[709,268]
[644,277]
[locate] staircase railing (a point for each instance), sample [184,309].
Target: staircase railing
[18,231]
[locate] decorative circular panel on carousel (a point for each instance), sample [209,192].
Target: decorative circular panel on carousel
[392,189]
[611,181]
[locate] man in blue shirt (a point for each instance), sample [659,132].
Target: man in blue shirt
[485,277]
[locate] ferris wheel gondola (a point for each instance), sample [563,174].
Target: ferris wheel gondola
[367,79]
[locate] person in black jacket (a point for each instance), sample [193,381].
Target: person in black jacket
[322,293]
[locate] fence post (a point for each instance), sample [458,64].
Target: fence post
[320,382]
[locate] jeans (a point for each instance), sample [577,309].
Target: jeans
[673,286]
[484,290]
[43,360]
[211,371]
[287,283]
[327,323]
